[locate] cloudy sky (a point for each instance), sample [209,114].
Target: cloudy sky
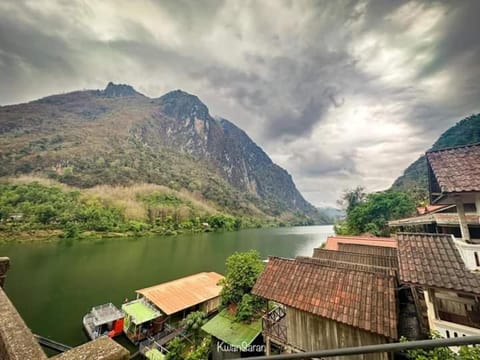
[340,93]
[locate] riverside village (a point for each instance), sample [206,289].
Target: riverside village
[351,292]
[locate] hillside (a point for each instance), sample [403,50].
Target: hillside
[414,178]
[118,136]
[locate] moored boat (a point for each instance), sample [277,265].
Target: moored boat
[102,320]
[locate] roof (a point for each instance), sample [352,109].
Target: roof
[181,294]
[355,257]
[333,241]
[433,260]
[456,169]
[140,312]
[362,299]
[438,218]
[224,327]
[105,313]
[369,249]
[427,209]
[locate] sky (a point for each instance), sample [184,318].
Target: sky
[339,93]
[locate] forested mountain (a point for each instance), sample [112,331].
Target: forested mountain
[414,179]
[118,136]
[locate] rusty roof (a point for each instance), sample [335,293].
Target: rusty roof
[346,294]
[427,209]
[433,260]
[356,257]
[181,294]
[456,169]
[333,241]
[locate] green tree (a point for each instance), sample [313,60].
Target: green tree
[201,351]
[243,270]
[372,214]
[443,353]
[175,348]
[193,325]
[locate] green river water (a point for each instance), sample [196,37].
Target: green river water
[54,284]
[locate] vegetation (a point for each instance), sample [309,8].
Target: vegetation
[47,208]
[242,272]
[193,325]
[369,213]
[444,353]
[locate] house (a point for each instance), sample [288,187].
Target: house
[334,242]
[441,261]
[434,264]
[169,303]
[326,303]
[195,292]
[454,178]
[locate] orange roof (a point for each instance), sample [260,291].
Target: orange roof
[333,241]
[177,295]
[429,208]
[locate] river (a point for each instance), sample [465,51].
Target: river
[54,284]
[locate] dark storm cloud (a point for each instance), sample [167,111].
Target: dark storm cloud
[338,92]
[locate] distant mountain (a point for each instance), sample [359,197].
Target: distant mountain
[332,214]
[415,177]
[119,136]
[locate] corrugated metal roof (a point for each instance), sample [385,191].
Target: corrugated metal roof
[181,294]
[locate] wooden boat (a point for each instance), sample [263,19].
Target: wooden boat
[102,320]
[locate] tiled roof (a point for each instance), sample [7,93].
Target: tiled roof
[355,257]
[368,249]
[433,260]
[181,294]
[456,169]
[362,299]
[333,241]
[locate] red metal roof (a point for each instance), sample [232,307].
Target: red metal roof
[353,294]
[333,241]
[181,294]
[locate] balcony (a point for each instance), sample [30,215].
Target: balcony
[274,325]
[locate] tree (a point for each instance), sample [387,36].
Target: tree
[372,214]
[201,351]
[352,198]
[175,349]
[193,325]
[243,270]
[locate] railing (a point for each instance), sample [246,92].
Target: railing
[382,348]
[273,325]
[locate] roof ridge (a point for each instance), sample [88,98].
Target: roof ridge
[452,148]
[348,266]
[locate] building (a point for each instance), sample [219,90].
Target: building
[336,242]
[434,264]
[328,302]
[440,262]
[169,303]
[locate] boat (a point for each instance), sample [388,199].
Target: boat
[102,320]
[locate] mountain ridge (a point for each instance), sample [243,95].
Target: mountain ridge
[120,136]
[415,179]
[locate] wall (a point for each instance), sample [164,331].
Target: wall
[308,332]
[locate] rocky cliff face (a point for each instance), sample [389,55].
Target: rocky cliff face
[118,135]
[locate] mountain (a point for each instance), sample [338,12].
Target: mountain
[119,136]
[415,178]
[333,214]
